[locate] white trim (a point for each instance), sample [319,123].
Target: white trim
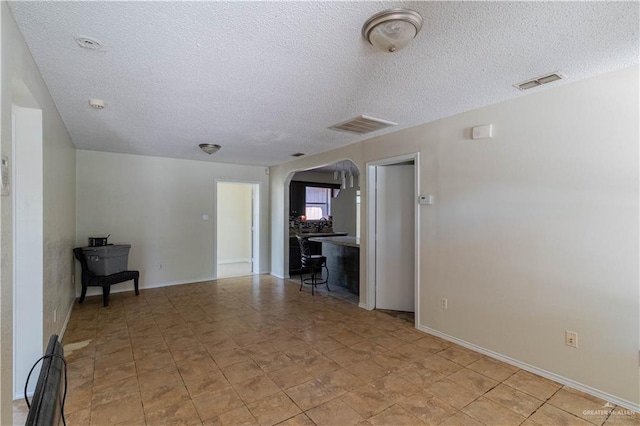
[370,260]
[364,306]
[66,321]
[416,230]
[20,395]
[224,262]
[97,291]
[278,276]
[535,370]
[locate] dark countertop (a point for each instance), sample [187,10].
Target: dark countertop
[338,240]
[319,234]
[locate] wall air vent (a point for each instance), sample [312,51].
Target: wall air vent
[298,154]
[539,81]
[362,124]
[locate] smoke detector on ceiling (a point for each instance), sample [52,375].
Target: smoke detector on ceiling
[539,81]
[362,124]
[89,43]
[97,103]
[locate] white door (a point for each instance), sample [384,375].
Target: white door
[395,233]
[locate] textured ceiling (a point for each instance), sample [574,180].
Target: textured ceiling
[266,79]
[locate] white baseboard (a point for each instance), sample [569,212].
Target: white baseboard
[364,306]
[20,395]
[243,260]
[535,370]
[282,277]
[66,321]
[97,291]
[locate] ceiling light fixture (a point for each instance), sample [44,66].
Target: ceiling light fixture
[391,30]
[97,103]
[89,43]
[210,148]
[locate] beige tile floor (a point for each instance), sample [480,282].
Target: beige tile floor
[255,350]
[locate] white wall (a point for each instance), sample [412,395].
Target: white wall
[343,209]
[58,156]
[156,205]
[532,233]
[234,222]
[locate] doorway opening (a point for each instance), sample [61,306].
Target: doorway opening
[393,235]
[237,229]
[323,207]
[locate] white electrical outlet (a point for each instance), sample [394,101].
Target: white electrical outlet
[55,315]
[571,338]
[160,267]
[444,303]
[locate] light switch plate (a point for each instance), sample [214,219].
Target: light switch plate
[425,200]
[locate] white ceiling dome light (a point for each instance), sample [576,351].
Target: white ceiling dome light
[97,103]
[89,43]
[391,30]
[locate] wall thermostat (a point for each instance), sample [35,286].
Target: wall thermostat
[482,132]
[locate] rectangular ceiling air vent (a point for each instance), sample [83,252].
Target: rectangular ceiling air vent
[539,81]
[362,124]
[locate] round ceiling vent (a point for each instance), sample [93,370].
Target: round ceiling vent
[88,43]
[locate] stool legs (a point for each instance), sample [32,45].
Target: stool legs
[314,280]
[105,295]
[326,281]
[84,293]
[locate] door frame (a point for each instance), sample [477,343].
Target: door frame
[28,311]
[371,191]
[255,223]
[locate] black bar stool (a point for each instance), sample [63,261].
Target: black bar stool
[313,262]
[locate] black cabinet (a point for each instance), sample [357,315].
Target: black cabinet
[297,198]
[298,195]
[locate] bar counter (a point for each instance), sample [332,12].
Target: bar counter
[343,261]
